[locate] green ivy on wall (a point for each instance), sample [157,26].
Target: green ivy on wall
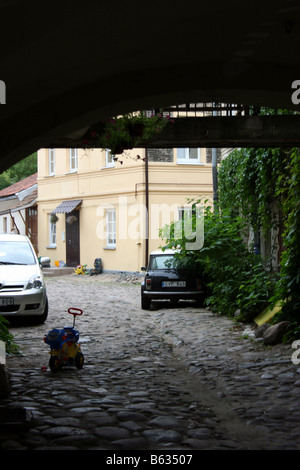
[263,185]
[252,182]
[259,189]
[289,285]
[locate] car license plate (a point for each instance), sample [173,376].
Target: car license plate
[173,284]
[7,301]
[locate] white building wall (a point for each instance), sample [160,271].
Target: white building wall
[7,222]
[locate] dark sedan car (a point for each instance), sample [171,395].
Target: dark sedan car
[171,278]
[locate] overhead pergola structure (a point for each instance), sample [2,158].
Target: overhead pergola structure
[66,66]
[217,125]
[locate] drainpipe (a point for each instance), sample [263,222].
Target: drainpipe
[214,163]
[147,207]
[215,178]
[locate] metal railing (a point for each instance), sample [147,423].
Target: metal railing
[214,109]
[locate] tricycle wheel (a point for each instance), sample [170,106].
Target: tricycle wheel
[79,360]
[54,363]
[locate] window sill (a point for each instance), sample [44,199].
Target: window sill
[52,247]
[109,247]
[190,163]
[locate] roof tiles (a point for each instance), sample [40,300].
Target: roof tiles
[19,186]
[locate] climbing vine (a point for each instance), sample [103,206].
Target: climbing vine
[259,189]
[289,285]
[253,182]
[264,186]
[236,280]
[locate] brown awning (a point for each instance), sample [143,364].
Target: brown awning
[67,206]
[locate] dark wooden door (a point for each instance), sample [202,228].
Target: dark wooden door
[72,239]
[31,226]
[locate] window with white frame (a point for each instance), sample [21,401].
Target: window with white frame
[189,212]
[109,158]
[191,156]
[52,232]
[4,224]
[111,228]
[51,162]
[73,160]
[12,224]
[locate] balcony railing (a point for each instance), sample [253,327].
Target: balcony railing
[215,109]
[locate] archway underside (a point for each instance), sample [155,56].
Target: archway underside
[67,66]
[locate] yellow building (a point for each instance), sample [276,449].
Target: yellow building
[91,206]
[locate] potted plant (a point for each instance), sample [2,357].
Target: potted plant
[71,219]
[53,218]
[127,131]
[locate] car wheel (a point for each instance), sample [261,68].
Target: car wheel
[79,360]
[44,316]
[200,302]
[145,303]
[36,319]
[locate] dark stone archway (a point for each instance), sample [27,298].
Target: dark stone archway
[67,65]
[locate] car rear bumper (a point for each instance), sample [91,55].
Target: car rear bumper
[171,294]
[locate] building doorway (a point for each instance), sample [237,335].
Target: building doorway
[32,227]
[72,239]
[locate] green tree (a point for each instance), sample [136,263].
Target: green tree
[19,171]
[236,278]
[254,182]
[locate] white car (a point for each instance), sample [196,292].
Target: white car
[22,287]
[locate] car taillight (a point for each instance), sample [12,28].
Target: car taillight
[148,284]
[199,284]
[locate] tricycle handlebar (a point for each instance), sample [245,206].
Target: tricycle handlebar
[74,311]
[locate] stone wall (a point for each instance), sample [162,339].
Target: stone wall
[160,155]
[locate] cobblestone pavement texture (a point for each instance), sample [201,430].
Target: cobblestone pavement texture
[169,378]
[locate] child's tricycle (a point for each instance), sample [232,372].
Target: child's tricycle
[65,349]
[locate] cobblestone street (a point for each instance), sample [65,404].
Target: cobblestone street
[169,378]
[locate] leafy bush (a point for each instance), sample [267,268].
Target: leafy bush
[11,347]
[237,279]
[259,189]
[256,291]
[288,287]
[264,186]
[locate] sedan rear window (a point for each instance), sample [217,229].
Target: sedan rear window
[162,262]
[16,253]
[170,262]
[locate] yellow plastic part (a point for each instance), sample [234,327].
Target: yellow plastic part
[268,313]
[80,269]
